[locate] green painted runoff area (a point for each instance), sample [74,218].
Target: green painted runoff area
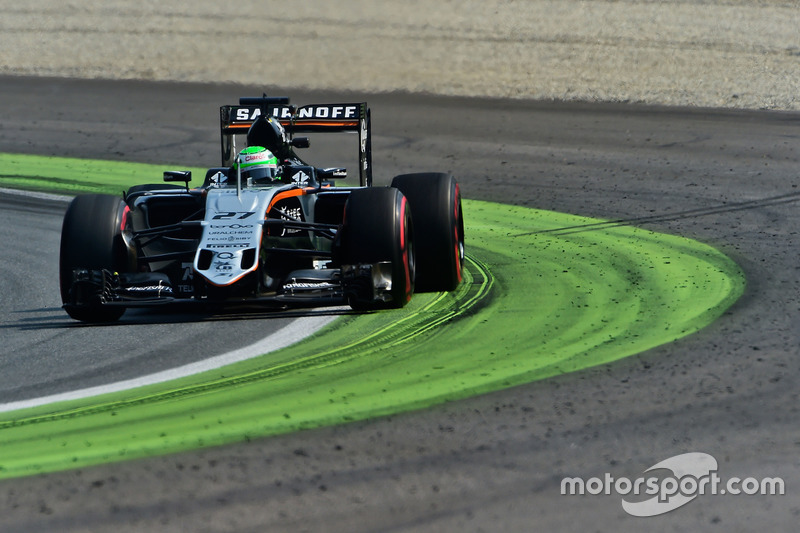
[545,294]
[67,175]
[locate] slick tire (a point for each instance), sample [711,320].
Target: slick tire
[91,238]
[435,202]
[378,227]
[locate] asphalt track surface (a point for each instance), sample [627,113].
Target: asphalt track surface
[46,353]
[495,462]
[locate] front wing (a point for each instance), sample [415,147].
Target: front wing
[303,288]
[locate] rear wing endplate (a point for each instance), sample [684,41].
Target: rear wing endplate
[353,117]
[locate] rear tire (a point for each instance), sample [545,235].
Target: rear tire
[378,227]
[91,238]
[435,201]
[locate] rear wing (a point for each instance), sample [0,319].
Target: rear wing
[353,117]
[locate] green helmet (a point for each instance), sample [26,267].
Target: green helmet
[258,163]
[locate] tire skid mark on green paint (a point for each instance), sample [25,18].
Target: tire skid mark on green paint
[438,311]
[536,303]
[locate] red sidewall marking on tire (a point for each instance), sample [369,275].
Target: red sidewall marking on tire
[456,197]
[406,266]
[124,221]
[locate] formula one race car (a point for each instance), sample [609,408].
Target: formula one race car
[265,227]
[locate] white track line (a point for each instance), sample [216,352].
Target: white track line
[293,332]
[35,194]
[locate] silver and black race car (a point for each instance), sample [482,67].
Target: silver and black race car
[265,227]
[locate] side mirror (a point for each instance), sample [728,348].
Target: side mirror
[301,142]
[178,175]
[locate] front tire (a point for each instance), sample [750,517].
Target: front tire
[435,201]
[378,227]
[91,238]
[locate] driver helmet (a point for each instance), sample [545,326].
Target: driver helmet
[257,163]
[268,132]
